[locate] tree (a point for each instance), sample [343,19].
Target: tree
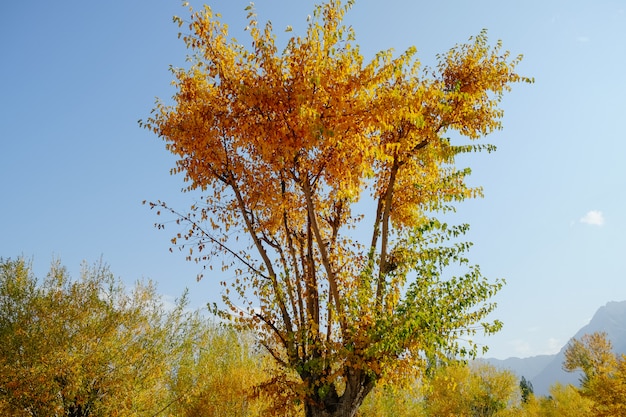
[333,169]
[604,373]
[80,348]
[592,354]
[89,347]
[217,376]
[398,400]
[564,400]
[479,390]
[526,388]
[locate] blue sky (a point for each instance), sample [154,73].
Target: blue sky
[75,166]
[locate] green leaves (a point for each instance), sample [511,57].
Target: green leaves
[293,150]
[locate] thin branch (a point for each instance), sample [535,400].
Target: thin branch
[266,259]
[210,238]
[274,328]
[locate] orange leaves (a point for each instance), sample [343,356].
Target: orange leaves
[292,148]
[474,77]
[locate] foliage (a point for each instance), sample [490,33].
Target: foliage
[91,348]
[482,390]
[604,373]
[63,351]
[477,390]
[526,388]
[398,400]
[305,152]
[564,400]
[219,377]
[593,354]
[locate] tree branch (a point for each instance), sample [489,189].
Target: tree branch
[266,259]
[330,273]
[210,238]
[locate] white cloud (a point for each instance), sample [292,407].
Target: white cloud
[524,348]
[593,217]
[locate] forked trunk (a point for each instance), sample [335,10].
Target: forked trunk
[329,404]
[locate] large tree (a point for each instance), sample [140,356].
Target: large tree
[320,177]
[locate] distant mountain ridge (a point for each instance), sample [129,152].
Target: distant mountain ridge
[545,370]
[529,367]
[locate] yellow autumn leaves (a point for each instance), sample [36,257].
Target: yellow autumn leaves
[317,169]
[91,347]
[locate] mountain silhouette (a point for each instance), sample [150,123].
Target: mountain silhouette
[545,370]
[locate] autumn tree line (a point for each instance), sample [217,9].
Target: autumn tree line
[93,347]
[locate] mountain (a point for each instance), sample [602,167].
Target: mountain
[545,370]
[529,368]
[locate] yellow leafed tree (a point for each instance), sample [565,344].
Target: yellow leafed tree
[461,390]
[333,169]
[78,348]
[603,377]
[564,400]
[89,347]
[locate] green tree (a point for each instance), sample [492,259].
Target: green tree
[526,388]
[334,170]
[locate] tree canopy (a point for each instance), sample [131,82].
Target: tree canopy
[603,377]
[83,347]
[92,347]
[321,176]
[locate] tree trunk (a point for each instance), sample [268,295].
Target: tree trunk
[358,385]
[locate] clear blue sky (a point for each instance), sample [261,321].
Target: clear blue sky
[75,166]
